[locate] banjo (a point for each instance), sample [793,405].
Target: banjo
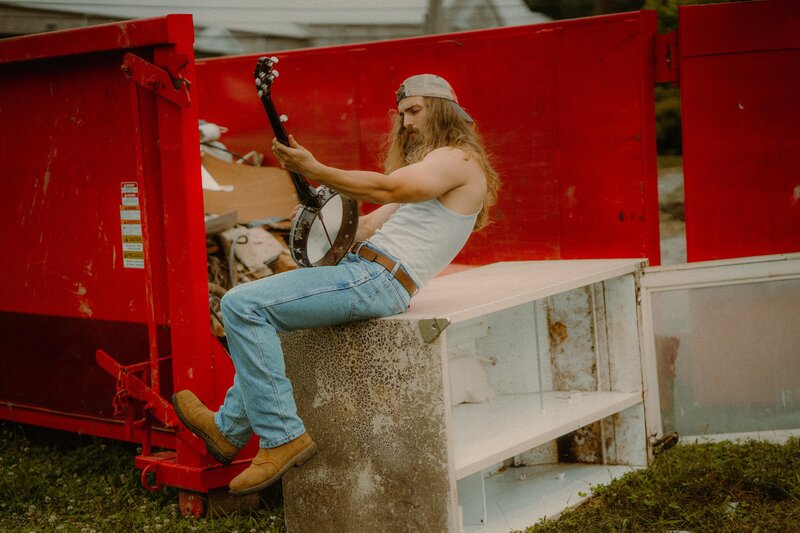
[325,225]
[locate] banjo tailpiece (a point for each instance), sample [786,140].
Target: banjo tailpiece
[325,226]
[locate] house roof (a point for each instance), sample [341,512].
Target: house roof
[282,18]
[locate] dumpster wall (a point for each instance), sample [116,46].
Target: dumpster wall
[102,227]
[566,108]
[739,74]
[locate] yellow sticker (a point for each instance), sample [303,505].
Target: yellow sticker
[132,255]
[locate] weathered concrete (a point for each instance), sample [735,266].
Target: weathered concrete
[371,395]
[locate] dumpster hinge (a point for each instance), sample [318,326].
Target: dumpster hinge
[667,60]
[169,84]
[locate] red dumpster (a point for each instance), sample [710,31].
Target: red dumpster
[102,210]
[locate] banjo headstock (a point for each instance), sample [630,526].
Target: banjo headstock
[265,74]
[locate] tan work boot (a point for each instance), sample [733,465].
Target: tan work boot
[199,419]
[270,464]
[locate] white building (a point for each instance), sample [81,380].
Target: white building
[251,26]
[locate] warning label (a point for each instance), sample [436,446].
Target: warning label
[130,216]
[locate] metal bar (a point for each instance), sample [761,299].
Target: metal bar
[79,423]
[158,80]
[170,471]
[113,36]
[152,333]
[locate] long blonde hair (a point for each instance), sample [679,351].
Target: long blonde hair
[444,127]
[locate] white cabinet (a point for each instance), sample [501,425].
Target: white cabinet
[550,352]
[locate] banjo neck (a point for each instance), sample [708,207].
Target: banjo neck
[264,75]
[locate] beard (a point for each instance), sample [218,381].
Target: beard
[414,146]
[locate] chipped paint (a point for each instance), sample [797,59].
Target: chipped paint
[50,158]
[80,290]
[83,304]
[85,309]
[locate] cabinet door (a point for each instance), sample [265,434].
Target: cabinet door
[724,347]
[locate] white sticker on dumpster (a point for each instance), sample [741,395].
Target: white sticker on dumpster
[130,216]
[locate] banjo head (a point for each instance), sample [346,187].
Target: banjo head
[322,237]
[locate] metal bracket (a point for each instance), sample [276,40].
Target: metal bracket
[667,64]
[169,84]
[431,329]
[130,387]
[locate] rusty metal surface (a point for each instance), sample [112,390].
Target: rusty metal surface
[572,340]
[624,442]
[584,445]
[371,395]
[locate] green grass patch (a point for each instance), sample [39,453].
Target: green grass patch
[56,481]
[752,486]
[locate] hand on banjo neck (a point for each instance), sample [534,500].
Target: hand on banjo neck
[325,225]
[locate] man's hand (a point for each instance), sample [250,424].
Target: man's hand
[294,157]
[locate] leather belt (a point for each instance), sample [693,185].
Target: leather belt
[386,262]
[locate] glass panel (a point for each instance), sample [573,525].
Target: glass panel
[729,357]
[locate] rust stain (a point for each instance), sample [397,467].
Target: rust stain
[558,333]
[583,445]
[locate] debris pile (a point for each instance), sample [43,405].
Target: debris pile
[248,209]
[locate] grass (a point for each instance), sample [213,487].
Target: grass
[721,487]
[54,481]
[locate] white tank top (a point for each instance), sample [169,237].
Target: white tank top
[424,237]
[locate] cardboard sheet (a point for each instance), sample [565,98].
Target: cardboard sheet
[258,192]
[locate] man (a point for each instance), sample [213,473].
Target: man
[437,189]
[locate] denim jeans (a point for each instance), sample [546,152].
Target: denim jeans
[261,398]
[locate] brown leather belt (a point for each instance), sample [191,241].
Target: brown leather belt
[377,257]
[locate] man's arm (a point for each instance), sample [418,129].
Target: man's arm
[441,171]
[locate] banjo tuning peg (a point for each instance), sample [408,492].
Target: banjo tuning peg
[273,59]
[275,74]
[284,118]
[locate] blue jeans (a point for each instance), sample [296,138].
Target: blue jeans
[261,399]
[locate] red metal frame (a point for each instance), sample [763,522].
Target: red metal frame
[109,105]
[739,78]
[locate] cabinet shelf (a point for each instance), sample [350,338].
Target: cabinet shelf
[519,497]
[487,433]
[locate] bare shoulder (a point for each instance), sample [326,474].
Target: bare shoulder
[464,172]
[455,160]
